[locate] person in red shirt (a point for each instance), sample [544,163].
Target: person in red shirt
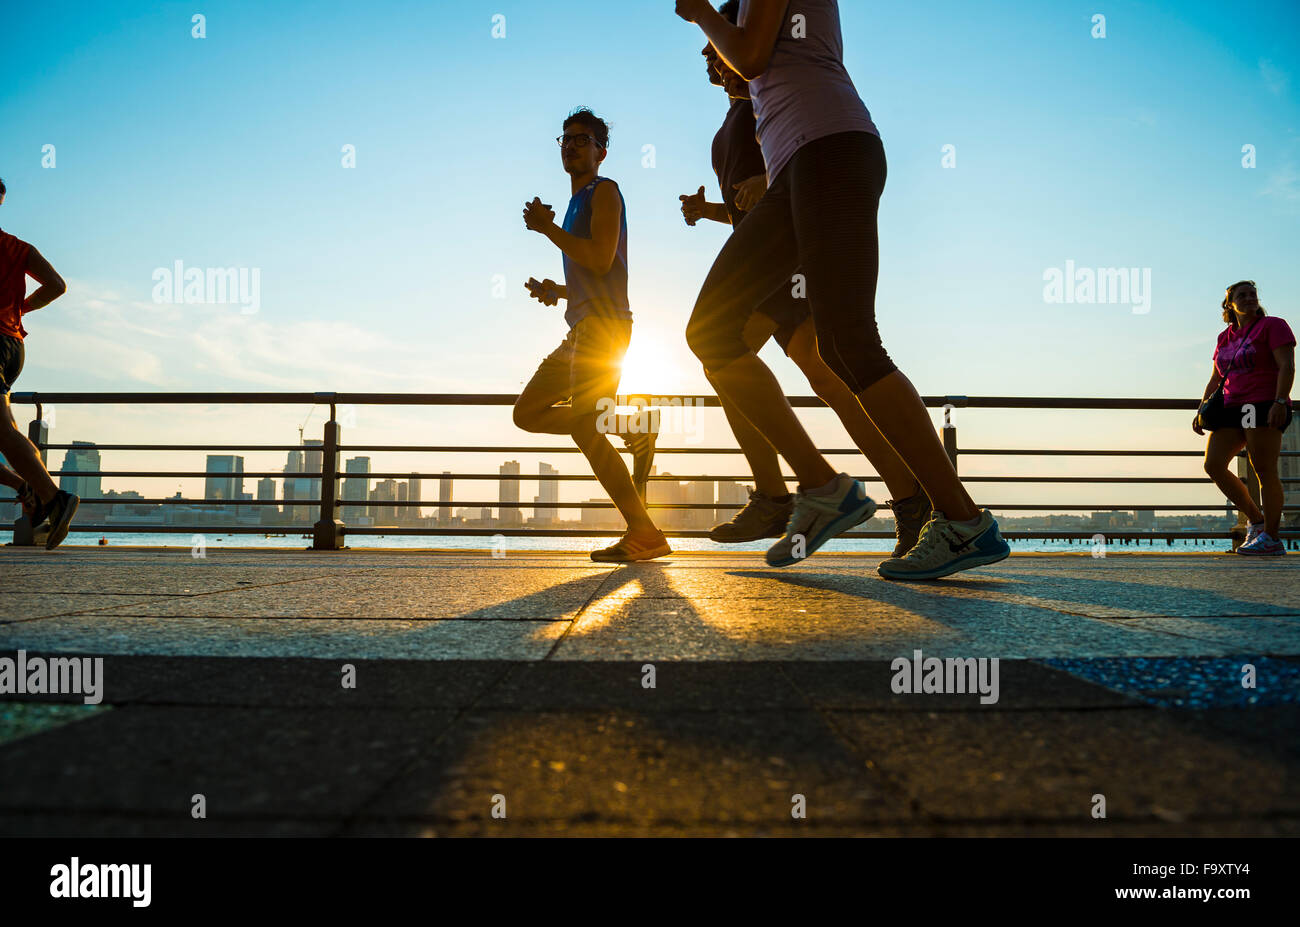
[1254,363]
[42,501]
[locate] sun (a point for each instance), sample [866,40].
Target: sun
[649,366]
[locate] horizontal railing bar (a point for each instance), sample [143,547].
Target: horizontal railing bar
[185,447]
[303,532]
[579,477]
[497,504]
[526,449]
[508,399]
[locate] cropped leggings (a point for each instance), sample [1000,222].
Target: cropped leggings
[817,219]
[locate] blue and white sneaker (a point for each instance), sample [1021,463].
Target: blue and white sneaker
[1262,545]
[946,547]
[817,518]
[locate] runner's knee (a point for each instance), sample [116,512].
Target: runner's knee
[525,416]
[716,339]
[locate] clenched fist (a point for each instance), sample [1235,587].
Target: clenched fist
[538,215]
[692,206]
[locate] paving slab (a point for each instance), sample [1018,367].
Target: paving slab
[311,683]
[292,762]
[24,606]
[130,678]
[1043,764]
[623,765]
[850,627]
[487,593]
[1022,685]
[341,639]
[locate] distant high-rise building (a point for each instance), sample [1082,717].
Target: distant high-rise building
[730,493]
[413,494]
[82,456]
[509,517]
[295,487]
[666,492]
[224,487]
[312,458]
[381,498]
[699,492]
[548,491]
[444,496]
[355,488]
[604,517]
[266,493]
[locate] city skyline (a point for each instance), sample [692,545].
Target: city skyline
[375,505]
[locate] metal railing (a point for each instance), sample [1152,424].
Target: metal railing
[329,530]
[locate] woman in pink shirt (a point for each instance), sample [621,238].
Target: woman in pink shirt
[1254,361]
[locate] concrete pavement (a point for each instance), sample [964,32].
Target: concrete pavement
[702,694]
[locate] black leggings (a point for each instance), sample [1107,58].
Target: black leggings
[817,218]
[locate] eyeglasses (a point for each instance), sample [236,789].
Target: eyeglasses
[578,141]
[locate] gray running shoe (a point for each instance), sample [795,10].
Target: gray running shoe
[816,519]
[762,517]
[945,547]
[910,515]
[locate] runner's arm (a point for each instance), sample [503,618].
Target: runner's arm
[1212,385]
[717,212]
[51,284]
[746,47]
[1285,357]
[597,252]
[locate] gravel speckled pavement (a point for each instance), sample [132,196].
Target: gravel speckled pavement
[513,696]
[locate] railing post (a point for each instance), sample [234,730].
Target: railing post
[328,534]
[950,428]
[950,444]
[38,433]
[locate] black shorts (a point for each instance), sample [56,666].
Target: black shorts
[1233,416]
[11,362]
[788,312]
[818,220]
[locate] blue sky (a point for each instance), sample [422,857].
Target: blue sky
[1123,151]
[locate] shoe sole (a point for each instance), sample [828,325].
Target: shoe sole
[970,561]
[1262,553]
[660,551]
[837,527]
[770,536]
[59,530]
[775,531]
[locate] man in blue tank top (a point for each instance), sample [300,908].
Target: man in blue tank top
[572,392]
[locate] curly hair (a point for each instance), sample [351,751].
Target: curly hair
[1228,315]
[590,121]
